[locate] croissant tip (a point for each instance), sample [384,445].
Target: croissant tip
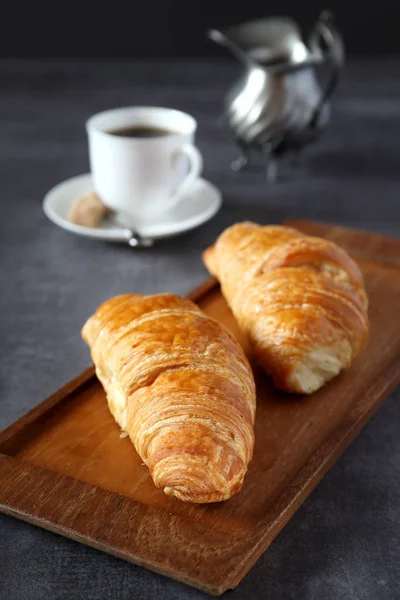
[208,258]
[84,332]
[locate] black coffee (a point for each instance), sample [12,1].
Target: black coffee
[141,131]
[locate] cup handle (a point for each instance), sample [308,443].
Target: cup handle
[195,168]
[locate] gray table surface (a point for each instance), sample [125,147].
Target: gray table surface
[344,540]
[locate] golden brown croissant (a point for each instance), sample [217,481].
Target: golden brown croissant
[182,388]
[299,299]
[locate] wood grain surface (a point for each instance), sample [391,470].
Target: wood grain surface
[64,467]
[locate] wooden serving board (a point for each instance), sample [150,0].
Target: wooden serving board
[64,467]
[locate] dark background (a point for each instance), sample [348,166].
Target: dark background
[154,28]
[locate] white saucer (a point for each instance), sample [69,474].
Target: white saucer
[194,209]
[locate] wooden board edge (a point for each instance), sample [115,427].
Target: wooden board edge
[47,404]
[29,493]
[372,245]
[203,289]
[319,464]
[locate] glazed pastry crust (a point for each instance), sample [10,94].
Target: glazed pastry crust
[299,299]
[182,388]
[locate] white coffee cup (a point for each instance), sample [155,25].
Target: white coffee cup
[141,177]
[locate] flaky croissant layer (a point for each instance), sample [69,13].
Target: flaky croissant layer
[300,300]
[181,386]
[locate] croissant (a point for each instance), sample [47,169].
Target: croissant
[182,388]
[300,300]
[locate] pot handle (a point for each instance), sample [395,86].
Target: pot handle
[326,44]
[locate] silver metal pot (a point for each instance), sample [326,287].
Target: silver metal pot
[278,104]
